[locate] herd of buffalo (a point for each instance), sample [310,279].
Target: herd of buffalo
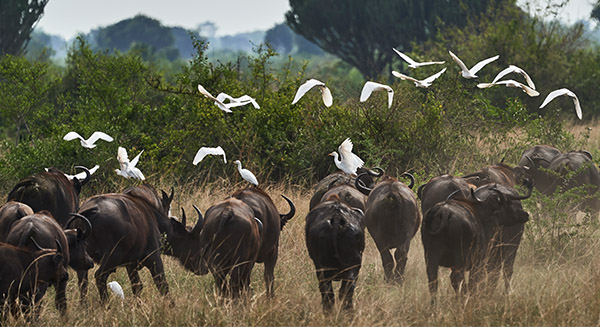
[472,223]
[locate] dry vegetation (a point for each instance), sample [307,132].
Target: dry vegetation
[556,281]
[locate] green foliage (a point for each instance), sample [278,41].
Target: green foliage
[139,29]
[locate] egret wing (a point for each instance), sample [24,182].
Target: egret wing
[136,159]
[433,77]
[327,97]
[459,62]
[406,58]
[305,88]
[99,136]
[478,66]
[204,151]
[405,77]
[71,136]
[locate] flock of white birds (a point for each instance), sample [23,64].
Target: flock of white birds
[344,159]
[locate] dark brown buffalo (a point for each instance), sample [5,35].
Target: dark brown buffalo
[438,188]
[341,178]
[500,173]
[456,233]
[392,218]
[272,221]
[126,231]
[573,170]
[538,158]
[52,191]
[335,240]
[23,270]
[349,194]
[229,244]
[9,213]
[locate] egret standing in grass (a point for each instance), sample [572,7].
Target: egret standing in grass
[117,290]
[347,161]
[246,174]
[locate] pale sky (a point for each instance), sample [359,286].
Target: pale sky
[69,17]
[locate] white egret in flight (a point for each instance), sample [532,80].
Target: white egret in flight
[420,83]
[566,92]
[470,73]
[514,69]
[325,92]
[414,64]
[129,169]
[204,151]
[218,102]
[237,102]
[346,161]
[90,142]
[246,174]
[369,87]
[511,83]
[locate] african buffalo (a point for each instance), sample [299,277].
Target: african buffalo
[538,158]
[126,231]
[9,213]
[456,233]
[50,190]
[341,178]
[438,188]
[23,270]
[349,194]
[42,227]
[272,221]
[229,244]
[500,173]
[392,218]
[576,169]
[335,240]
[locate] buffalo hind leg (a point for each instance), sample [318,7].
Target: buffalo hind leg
[327,297]
[347,289]
[401,257]
[270,262]
[82,281]
[388,264]
[134,278]
[101,276]
[457,279]
[155,265]
[239,281]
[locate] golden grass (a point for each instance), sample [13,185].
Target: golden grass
[561,290]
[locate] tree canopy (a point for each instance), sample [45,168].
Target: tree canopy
[362,33]
[17,21]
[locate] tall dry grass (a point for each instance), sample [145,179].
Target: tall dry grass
[550,289]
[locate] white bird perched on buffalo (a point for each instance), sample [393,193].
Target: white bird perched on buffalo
[369,87]
[116,289]
[325,92]
[247,175]
[204,151]
[511,83]
[414,64]
[218,102]
[425,83]
[236,102]
[346,161]
[470,73]
[129,169]
[514,69]
[90,142]
[552,95]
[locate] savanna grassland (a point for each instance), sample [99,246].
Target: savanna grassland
[556,280]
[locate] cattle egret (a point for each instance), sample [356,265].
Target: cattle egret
[511,83]
[89,143]
[514,69]
[414,64]
[369,87]
[420,83]
[237,102]
[128,169]
[326,93]
[204,151]
[246,174]
[470,73]
[116,289]
[346,161]
[82,175]
[218,102]
[567,92]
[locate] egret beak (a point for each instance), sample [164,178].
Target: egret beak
[330,154]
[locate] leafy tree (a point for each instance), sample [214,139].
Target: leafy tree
[362,33]
[17,21]
[139,29]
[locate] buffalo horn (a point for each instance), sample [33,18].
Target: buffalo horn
[35,243]
[411,177]
[198,227]
[183,218]
[449,197]
[87,174]
[285,217]
[87,231]
[376,171]
[522,197]
[259,224]
[361,186]
[59,248]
